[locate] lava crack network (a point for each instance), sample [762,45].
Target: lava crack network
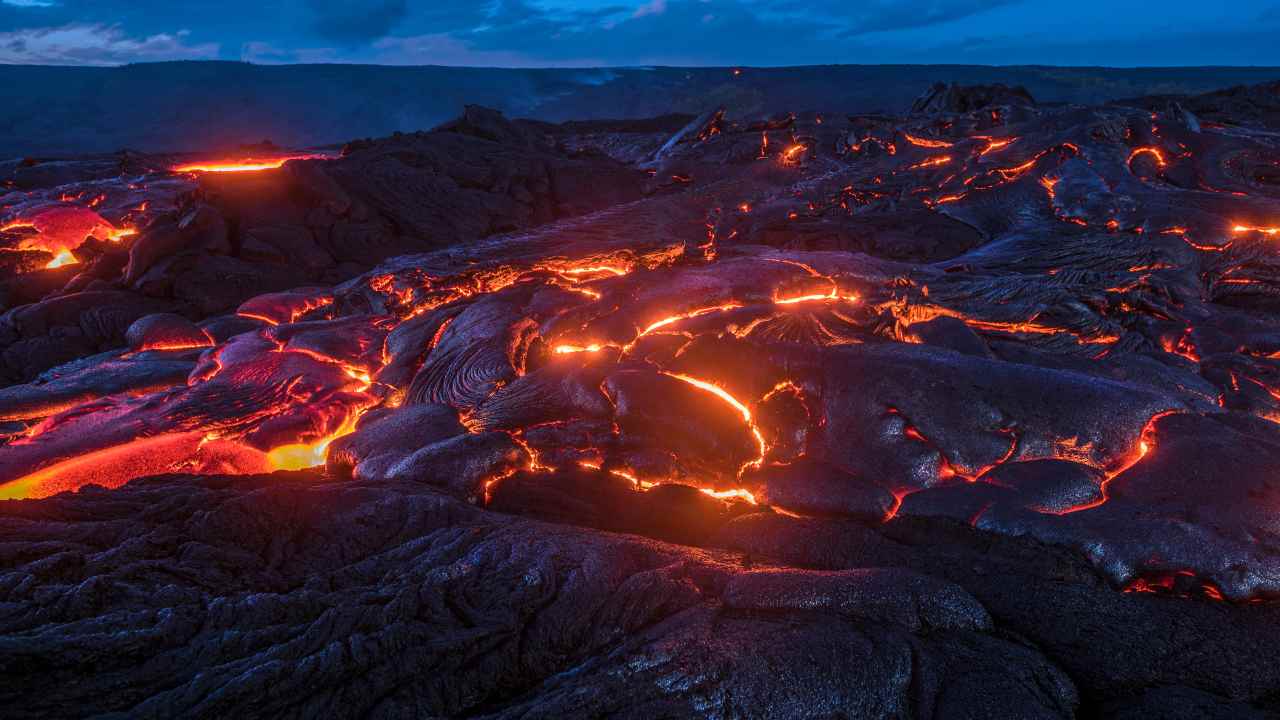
[1034,321]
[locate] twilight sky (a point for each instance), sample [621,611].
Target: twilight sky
[539,33]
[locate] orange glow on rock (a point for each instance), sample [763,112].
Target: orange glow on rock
[931,162]
[60,229]
[737,493]
[834,294]
[1146,443]
[792,152]
[994,144]
[724,395]
[1251,228]
[114,466]
[568,349]
[926,142]
[299,456]
[243,165]
[1153,151]
[672,319]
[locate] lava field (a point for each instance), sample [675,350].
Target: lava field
[971,412]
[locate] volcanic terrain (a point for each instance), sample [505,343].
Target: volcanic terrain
[972,412]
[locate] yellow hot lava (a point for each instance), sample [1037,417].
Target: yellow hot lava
[61,229]
[243,165]
[64,257]
[299,456]
[1251,228]
[834,294]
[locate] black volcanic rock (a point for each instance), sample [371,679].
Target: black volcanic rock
[954,98]
[238,235]
[754,413]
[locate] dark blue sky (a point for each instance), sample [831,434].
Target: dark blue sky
[524,33]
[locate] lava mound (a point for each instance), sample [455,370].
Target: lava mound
[972,412]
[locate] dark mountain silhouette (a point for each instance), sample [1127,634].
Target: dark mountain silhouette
[208,105]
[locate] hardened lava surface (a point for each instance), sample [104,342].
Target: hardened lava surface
[966,413]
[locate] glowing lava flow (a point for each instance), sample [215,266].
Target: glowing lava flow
[834,294]
[1250,228]
[994,144]
[791,153]
[243,165]
[926,142]
[593,269]
[568,348]
[931,162]
[64,257]
[737,405]
[671,319]
[61,229]
[114,466]
[1146,441]
[1153,151]
[738,493]
[17,225]
[299,456]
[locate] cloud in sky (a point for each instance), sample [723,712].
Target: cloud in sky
[642,32]
[96,45]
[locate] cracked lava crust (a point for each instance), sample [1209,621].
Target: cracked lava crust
[971,412]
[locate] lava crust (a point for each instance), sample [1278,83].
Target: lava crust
[971,412]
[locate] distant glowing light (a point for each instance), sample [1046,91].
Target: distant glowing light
[1250,228]
[244,165]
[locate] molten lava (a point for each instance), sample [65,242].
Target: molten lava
[926,142]
[1155,152]
[243,164]
[60,229]
[1251,228]
[742,409]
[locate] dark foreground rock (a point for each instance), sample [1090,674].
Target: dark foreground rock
[296,596]
[967,414]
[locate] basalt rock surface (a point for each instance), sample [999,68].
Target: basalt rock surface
[967,414]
